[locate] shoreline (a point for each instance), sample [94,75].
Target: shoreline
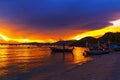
[102,67]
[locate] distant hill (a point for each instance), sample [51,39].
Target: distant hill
[111,37]
[84,40]
[68,42]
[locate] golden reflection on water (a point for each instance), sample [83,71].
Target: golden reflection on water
[3,61]
[23,60]
[20,60]
[3,55]
[78,55]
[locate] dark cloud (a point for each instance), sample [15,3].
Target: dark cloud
[52,14]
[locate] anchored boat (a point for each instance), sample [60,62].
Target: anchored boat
[55,49]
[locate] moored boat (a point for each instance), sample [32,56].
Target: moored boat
[55,49]
[98,49]
[115,47]
[96,52]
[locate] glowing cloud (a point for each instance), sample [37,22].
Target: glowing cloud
[115,23]
[100,32]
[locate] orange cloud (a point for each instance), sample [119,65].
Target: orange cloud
[13,33]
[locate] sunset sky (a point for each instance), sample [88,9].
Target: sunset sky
[52,20]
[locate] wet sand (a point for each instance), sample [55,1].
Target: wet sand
[102,67]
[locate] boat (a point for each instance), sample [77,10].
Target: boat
[96,52]
[115,47]
[98,49]
[55,49]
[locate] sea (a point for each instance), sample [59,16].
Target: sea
[28,63]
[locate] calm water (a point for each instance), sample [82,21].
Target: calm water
[26,63]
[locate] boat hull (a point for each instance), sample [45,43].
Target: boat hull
[60,50]
[96,52]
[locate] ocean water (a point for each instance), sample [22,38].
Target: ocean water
[23,63]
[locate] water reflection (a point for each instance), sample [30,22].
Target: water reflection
[78,55]
[18,61]
[3,61]
[21,60]
[71,58]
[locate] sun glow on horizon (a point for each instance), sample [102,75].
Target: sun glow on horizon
[46,38]
[26,40]
[4,37]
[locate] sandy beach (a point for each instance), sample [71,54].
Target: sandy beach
[102,67]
